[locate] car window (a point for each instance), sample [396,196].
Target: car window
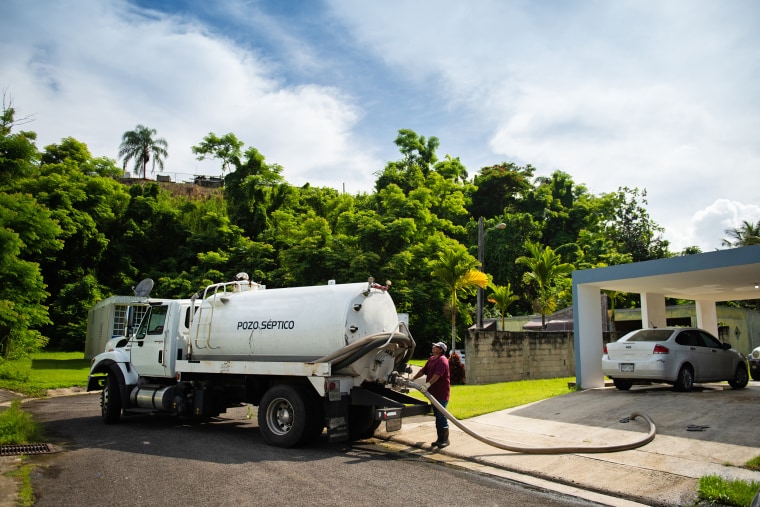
[650,335]
[690,338]
[683,339]
[710,340]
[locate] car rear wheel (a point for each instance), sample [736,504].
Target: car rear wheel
[622,385]
[741,377]
[756,375]
[685,379]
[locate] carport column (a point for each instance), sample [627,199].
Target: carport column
[587,336]
[707,316]
[653,311]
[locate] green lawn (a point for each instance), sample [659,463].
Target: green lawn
[33,376]
[470,401]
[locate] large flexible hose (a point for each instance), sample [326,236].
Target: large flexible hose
[539,450]
[358,349]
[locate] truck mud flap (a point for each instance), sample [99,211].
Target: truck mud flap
[336,418]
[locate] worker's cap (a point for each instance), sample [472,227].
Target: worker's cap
[440,344]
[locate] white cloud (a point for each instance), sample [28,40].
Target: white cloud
[628,93]
[708,225]
[93,71]
[656,96]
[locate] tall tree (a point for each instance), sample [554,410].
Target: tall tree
[27,230]
[459,272]
[28,234]
[253,191]
[545,269]
[419,157]
[140,145]
[18,153]
[502,296]
[227,148]
[631,228]
[744,235]
[499,188]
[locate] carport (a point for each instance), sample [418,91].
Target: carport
[724,275]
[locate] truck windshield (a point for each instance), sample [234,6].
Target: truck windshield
[153,322]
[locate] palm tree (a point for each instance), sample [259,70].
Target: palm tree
[459,271]
[502,296]
[139,144]
[544,268]
[744,235]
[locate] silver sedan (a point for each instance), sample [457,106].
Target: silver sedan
[674,355]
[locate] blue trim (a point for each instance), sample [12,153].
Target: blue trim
[671,265]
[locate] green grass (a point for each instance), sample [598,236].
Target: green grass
[727,492]
[753,464]
[26,493]
[18,427]
[33,376]
[470,401]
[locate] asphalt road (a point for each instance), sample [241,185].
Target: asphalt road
[160,461]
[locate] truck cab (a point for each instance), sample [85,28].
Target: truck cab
[161,339]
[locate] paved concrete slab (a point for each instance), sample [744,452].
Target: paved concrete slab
[663,472]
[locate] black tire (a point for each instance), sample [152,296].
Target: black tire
[283,416]
[361,423]
[622,385]
[756,375]
[110,400]
[685,381]
[741,377]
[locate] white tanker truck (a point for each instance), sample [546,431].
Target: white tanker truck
[309,357]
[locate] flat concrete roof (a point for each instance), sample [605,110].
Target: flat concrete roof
[723,275]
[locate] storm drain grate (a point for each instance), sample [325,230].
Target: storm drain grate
[16,449]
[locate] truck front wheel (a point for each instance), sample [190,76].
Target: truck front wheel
[282,416]
[110,400]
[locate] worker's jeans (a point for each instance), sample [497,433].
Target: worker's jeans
[440,419]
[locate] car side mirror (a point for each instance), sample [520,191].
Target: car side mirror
[726,346]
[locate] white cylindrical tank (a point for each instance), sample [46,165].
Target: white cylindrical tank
[291,324]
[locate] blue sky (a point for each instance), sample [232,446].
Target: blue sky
[656,95]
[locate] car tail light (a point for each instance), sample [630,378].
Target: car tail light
[661,349]
[605,348]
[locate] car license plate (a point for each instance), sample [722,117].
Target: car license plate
[626,367]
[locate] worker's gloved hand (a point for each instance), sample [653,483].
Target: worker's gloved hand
[423,387]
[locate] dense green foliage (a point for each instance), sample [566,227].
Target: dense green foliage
[73,233]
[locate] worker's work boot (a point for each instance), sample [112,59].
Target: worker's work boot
[443,440]
[438,441]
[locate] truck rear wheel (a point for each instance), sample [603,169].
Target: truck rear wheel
[283,416]
[361,423]
[110,400]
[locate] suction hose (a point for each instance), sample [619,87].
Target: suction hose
[358,349]
[538,450]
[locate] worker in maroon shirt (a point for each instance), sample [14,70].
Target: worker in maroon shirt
[438,384]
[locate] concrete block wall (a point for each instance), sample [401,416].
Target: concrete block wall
[499,356]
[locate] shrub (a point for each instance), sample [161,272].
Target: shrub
[456,370]
[17,426]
